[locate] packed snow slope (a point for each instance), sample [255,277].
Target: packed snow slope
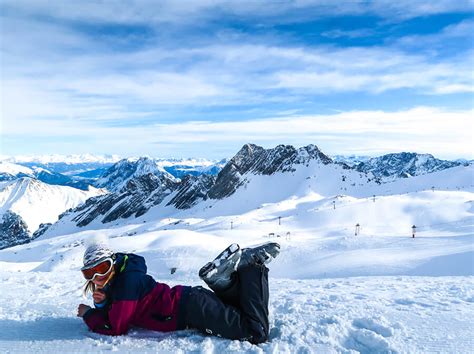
[331,290]
[37,202]
[366,315]
[319,301]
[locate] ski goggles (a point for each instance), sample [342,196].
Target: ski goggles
[97,270]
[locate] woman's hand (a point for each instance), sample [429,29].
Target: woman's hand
[99,296]
[82,309]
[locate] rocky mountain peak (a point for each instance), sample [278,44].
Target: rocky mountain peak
[404,164]
[246,156]
[148,183]
[118,175]
[257,160]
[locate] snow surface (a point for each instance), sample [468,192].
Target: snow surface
[191,162]
[308,312]
[37,202]
[369,314]
[56,158]
[330,291]
[14,169]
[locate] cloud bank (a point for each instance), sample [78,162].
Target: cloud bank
[90,75]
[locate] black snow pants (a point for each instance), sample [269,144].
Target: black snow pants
[240,312]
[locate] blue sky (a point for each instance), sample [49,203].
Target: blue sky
[202,78]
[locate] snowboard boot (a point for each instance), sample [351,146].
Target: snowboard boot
[218,273]
[263,254]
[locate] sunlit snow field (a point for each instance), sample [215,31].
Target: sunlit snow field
[330,290]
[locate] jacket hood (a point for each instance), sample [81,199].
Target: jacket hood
[126,263]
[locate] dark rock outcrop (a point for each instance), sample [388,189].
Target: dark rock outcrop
[136,198]
[192,189]
[13,230]
[41,230]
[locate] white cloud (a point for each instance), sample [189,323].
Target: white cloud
[460,30]
[104,85]
[406,9]
[59,80]
[421,121]
[359,33]
[49,67]
[422,129]
[196,11]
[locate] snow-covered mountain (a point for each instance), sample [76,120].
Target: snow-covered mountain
[253,177]
[59,179]
[255,160]
[32,203]
[93,166]
[194,167]
[140,194]
[69,165]
[118,175]
[66,159]
[404,164]
[350,160]
[83,171]
[261,175]
[10,171]
[137,196]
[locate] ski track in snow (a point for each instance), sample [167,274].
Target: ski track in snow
[365,314]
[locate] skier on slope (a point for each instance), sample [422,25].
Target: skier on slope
[124,295]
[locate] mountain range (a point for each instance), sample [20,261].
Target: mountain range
[392,166]
[255,175]
[131,188]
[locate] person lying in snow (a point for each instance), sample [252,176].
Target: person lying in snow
[125,296]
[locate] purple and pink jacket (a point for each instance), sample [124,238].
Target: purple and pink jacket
[135,299]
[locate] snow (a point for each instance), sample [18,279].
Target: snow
[28,197]
[56,158]
[38,170]
[330,291]
[90,158]
[368,314]
[14,169]
[191,162]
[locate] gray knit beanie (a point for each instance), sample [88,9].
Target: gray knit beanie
[96,253]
